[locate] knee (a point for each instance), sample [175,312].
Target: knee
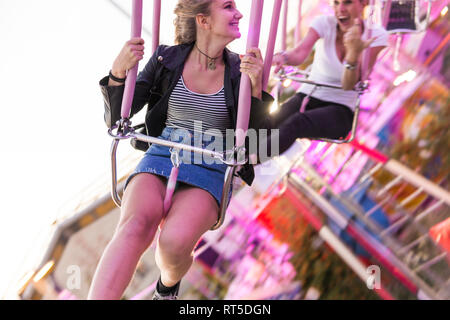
[343,130]
[346,120]
[173,248]
[139,224]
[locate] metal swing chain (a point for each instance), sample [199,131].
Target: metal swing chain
[175,157]
[121,130]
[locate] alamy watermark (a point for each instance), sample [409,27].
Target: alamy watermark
[73,281]
[373,280]
[257,144]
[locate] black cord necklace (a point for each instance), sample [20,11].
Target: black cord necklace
[211,61]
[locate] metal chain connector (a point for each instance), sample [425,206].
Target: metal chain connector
[235,157]
[175,157]
[121,130]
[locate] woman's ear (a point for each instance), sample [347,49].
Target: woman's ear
[202,21]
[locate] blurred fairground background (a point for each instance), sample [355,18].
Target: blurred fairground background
[368,219]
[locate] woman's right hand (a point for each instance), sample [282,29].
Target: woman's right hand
[131,53]
[279,60]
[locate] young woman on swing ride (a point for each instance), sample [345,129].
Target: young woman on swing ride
[337,61]
[199,81]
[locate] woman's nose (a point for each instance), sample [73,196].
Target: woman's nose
[341,8]
[238,15]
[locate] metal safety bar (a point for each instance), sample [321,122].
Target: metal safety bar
[232,158]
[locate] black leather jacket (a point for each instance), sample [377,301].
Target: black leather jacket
[157,80]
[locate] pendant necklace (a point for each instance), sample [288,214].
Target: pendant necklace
[211,61]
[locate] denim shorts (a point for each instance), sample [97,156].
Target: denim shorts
[195,169]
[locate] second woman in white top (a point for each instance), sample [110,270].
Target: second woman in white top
[340,41]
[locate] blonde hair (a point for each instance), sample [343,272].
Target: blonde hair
[185,23]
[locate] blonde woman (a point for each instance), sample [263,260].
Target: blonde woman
[195,81]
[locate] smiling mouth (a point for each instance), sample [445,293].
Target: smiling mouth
[344,19]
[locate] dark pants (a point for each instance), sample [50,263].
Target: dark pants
[321,119]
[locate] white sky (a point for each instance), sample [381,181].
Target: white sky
[54,141]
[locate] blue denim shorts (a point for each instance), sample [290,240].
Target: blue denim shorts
[195,170]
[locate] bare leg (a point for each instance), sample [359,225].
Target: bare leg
[141,213]
[193,212]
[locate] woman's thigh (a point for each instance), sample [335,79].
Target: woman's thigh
[328,121]
[288,108]
[142,204]
[193,212]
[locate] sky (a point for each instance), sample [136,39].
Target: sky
[54,142]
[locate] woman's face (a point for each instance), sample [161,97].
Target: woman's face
[225,18]
[346,11]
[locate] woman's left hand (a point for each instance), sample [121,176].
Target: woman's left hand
[252,65]
[353,43]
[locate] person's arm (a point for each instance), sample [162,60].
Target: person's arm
[252,64]
[113,91]
[132,52]
[299,54]
[355,47]
[351,77]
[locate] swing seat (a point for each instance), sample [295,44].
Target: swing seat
[123,129]
[403,16]
[301,76]
[130,133]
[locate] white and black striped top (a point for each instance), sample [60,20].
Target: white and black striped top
[186,106]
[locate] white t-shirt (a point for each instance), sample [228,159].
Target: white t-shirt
[328,68]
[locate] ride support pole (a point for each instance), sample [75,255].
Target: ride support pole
[130,83]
